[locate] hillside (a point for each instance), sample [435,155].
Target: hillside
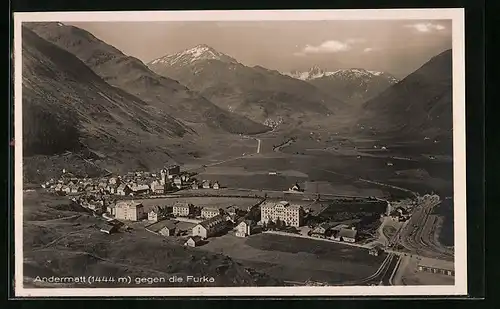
[420,105]
[131,75]
[67,107]
[353,86]
[60,239]
[260,94]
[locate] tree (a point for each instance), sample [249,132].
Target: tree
[271,225]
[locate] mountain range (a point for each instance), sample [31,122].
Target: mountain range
[132,75]
[255,92]
[353,86]
[80,93]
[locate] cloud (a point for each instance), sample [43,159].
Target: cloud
[355,40]
[330,46]
[426,27]
[370,49]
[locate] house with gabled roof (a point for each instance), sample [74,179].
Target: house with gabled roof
[163,227]
[245,228]
[108,228]
[295,188]
[216,185]
[322,229]
[209,227]
[209,212]
[348,235]
[152,216]
[157,187]
[123,189]
[195,185]
[194,241]
[182,209]
[232,210]
[206,184]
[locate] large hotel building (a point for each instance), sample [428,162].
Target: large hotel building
[292,215]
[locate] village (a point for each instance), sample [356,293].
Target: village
[114,198]
[164,205]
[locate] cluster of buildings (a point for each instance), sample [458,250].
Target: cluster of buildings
[209,222]
[399,214]
[205,184]
[133,183]
[338,232]
[216,225]
[96,202]
[184,209]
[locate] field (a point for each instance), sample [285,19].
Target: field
[361,209]
[253,173]
[297,259]
[217,202]
[373,163]
[330,166]
[60,240]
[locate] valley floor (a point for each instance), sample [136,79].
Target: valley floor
[61,240]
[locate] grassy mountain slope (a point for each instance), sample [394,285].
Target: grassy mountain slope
[67,107]
[419,105]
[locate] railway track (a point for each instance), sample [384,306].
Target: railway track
[426,236]
[419,233]
[376,278]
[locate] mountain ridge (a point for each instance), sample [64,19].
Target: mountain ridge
[255,92]
[317,72]
[133,76]
[353,86]
[67,107]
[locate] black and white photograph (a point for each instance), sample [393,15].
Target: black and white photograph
[240,153]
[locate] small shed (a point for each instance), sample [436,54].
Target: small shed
[109,229]
[348,235]
[194,241]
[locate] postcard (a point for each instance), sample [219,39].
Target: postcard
[240,153]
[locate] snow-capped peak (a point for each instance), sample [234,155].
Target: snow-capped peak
[316,72]
[191,55]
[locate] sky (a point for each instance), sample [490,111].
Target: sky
[398,47]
